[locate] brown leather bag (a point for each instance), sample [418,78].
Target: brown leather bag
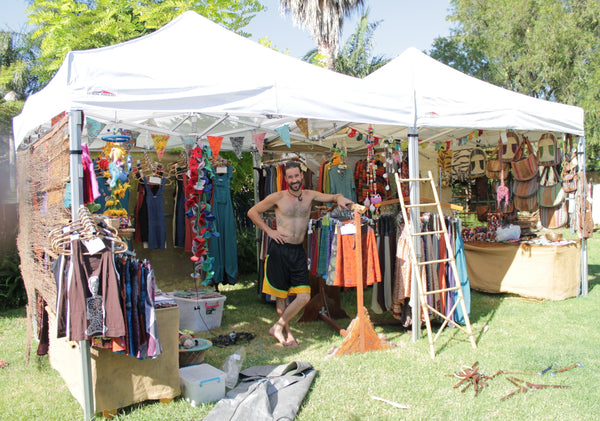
[494,165]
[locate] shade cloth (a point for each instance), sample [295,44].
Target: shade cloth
[546,272]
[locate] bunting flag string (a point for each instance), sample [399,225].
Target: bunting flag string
[93,127]
[160,143]
[237,142]
[215,144]
[302,124]
[259,140]
[189,140]
[284,133]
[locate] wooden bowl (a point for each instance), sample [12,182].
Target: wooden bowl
[554,236]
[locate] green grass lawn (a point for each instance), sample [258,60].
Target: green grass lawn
[512,333]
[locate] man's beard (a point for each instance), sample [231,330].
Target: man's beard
[295,186]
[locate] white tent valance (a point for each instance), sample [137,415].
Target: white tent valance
[193,77]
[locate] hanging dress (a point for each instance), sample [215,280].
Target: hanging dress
[155,204]
[224,247]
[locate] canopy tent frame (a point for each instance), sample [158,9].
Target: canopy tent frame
[411,96]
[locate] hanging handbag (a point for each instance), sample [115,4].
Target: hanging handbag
[554,217]
[524,168]
[495,164]
[477,163]
[461,160]
[550,192]
[509,149]
[548,152]
[569,168]
[525,194]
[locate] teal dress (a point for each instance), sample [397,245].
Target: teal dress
[224,247]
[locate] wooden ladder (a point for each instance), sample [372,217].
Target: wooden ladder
[417,265]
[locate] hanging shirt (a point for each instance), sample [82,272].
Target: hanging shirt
[341,180]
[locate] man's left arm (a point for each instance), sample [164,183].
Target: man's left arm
[339,199]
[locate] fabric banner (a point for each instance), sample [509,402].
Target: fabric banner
[284,133]
[237,142]
[160,143]
[302,124]
[93,127]
[188,140]
[215,144]
[259,140]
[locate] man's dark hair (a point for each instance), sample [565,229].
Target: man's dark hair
[291,164]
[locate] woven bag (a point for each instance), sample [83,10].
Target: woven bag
[554,217]
[548,152]
[509,149]
[524,168]
[525,194]
[477,163]
[526,204]
[494,165]
[550,193]
[569,167]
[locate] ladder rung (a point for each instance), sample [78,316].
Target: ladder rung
[420,204]
[429,232]
[406,180]
[430,262]
[437,291]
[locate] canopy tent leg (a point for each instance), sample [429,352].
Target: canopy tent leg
[76,170]
[414,194]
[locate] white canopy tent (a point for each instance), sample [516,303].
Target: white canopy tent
[190,74]
[193,77]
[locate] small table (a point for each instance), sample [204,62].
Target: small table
[550,272]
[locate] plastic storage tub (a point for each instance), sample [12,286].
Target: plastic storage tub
[202,384]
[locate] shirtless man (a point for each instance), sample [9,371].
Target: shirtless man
[286,270]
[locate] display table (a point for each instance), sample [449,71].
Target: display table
[547,272]
[118,380]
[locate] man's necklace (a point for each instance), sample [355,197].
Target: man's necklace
[297,197]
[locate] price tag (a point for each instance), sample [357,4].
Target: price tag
[348,229]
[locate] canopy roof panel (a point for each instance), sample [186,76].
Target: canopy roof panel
[193,78]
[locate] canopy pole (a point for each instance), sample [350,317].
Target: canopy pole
[584,254]
[414,195]
[76,170]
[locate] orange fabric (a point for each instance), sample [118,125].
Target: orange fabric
[346,261]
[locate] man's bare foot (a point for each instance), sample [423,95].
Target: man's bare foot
[277,332]
[290,340]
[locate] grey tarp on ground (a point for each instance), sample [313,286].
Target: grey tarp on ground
[268,392]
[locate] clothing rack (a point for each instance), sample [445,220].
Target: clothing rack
[283,160]
[423,200]
[360,335]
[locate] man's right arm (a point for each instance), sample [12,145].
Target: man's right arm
[254,213]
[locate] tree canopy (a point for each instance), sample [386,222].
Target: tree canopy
[324,19]
[65,25]
[356,55]
[543,48]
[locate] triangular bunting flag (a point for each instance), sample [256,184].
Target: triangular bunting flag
[93,127]
[284,133]
[302,124]
[237,142]
[215,144]
[259,141]
[189,140]
[57,118]
[160,143]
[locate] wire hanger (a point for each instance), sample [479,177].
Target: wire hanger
[87,227]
